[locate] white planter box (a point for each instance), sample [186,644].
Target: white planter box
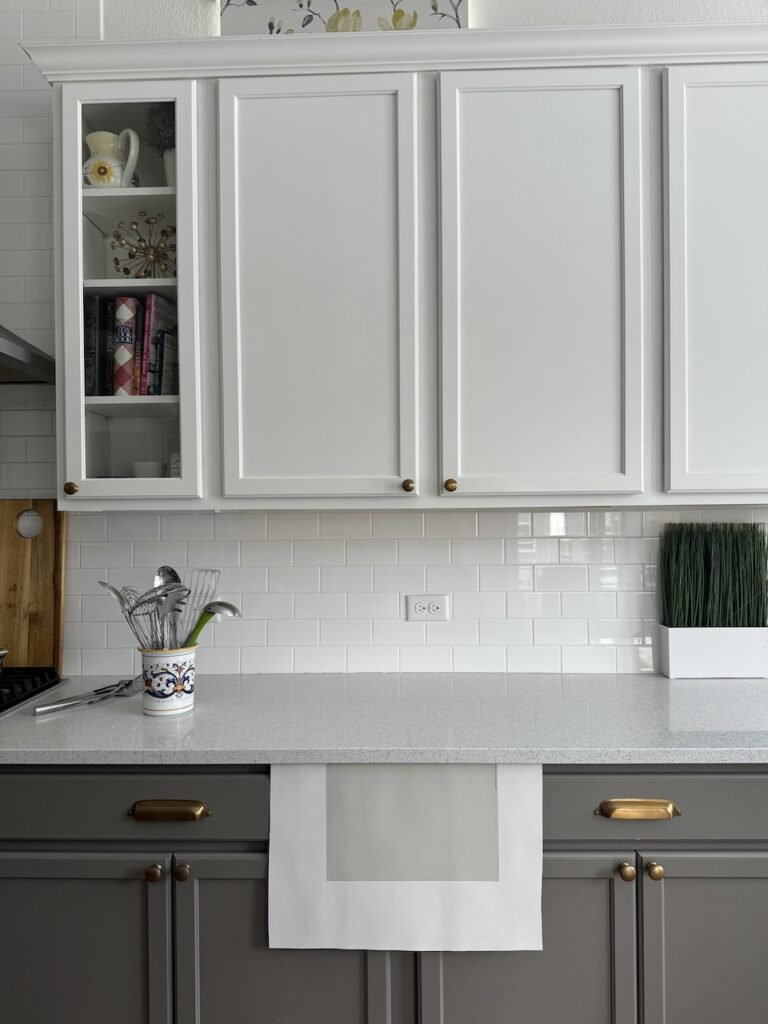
[714,653]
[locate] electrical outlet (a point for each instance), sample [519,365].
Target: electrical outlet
[427,607]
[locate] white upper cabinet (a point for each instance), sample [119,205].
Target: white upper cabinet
[127,294]
[717,145]
[318,285]
[541,281]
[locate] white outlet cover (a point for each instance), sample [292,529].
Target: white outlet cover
[427,607]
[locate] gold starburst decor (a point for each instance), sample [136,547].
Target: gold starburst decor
[148,251]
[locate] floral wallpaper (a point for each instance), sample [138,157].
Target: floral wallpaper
[283,17]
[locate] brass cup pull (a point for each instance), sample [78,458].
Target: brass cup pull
[154,872]
[628,872]
[408,485]
[182,872]
[169,810]
[70,488]
[655,871]
[451,484]
[632,808]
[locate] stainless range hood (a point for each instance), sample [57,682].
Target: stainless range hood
[22,363]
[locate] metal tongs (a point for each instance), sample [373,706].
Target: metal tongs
[123,688]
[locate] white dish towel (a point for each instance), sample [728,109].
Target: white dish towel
[413,857]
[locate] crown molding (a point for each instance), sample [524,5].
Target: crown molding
[232,56]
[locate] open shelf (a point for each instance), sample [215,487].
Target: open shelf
[134,406]
[106,206]
[165,286]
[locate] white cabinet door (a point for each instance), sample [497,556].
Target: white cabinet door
[541,281]
[137,440]
[717,209]
[318,265]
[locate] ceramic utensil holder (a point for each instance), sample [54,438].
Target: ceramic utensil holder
[169,680]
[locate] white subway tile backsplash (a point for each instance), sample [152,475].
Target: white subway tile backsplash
[533,659]
[320,659]
[615,577]
[241,526]
[293,526]
[400,578]
[318,552]
[453,578]
[371,552]
[533,605]
[187,527]
[205,554]
[377,658]
[506,631]
[347,578]
[561,632]
[654,520]
[346,631]
[503,524]
[623,632]
[589,659]
[266,659]
[479,605]
[291,632]
[454,631]
[712,514]
[101,556]
[315,598]
[479,659]
[561,577]
[426,659]
[634,550]
[151,554]
[345,525]
[294,578]
[592,605]
[450,525]
[615,523]
[477,552]
[272,606]
[594,551]
[319,606]
[371,606]
[528,550]
[559,524]
[506,577]
[423,552]
[266,552]
[398,524]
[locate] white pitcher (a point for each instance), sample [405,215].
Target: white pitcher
[112,160]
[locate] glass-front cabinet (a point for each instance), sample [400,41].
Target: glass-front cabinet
[129,291]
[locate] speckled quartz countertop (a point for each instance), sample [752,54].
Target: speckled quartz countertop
[552,719]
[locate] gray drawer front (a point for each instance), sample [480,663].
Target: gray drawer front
[94,806]
[714,807]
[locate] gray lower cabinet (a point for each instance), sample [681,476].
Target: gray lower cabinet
[705,936]
[84,939]
[226,972]
[586,973]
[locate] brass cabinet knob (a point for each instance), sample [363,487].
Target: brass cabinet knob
[181,872]
[408,485]
[628,872]
[70,487]
[451,484]
[655,871]
[154,872]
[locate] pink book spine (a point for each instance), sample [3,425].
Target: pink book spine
[123,351]
[149,319]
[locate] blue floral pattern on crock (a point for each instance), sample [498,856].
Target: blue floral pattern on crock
[166,681]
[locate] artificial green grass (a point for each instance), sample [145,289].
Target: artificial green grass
[713,574]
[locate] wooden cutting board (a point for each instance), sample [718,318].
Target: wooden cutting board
[32,585]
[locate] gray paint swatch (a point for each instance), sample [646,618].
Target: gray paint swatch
[426,822]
